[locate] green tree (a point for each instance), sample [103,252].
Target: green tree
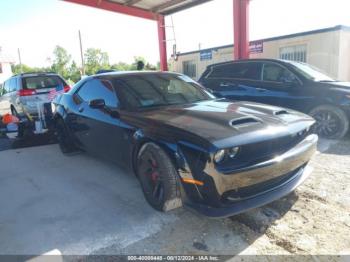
[61,61]
[121,66]
[17,69]
[136,60]
[147,65]
[74,72]
[95,59]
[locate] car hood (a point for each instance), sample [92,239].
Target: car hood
[225,123]
[339,86]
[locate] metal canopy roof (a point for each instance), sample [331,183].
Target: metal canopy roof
[164,7]
[148,9]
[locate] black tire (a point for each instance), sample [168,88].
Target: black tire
[331,122]
[158,177]
[65,141]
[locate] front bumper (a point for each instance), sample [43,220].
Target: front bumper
[232,193]
[256,201]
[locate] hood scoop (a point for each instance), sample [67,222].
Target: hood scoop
[281,112]
[244,121]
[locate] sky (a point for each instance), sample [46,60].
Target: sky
[37,26]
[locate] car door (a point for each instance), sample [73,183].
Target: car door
[282,87]
[13,94]
[98,131]
[236,81]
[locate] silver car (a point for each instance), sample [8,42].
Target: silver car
[23,93]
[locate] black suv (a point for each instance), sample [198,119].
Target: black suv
[288,84]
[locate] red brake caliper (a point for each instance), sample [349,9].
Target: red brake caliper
[154,174]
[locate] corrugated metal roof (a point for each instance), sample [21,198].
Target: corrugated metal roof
[164,7]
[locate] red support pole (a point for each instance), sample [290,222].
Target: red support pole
[241,28]
[162,43]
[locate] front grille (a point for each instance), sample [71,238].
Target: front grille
[259,152]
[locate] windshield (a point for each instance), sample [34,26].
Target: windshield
[311,73]
[41,82]
[151,90]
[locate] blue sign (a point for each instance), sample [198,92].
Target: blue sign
[206,55]
[256,47]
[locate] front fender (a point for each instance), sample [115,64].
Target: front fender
[187,160]
[59,112]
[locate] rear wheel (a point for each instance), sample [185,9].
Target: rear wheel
[64,139]
[158,178]
[331,122]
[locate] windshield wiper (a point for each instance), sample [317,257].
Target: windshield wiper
[327,81]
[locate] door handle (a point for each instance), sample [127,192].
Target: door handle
[261,89]
[81,109]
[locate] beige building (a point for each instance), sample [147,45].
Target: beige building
[5,67]
[327,49]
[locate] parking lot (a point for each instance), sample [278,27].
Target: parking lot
[79,205]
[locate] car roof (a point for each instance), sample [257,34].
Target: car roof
[125,73]
[36,74]
[249,60]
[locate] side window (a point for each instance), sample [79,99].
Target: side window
[251,71]
[7,86]
[13,85]
[276,73]
[99,89]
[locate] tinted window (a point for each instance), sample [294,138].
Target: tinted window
[311,72]
[38,82]
[189,68]
[276,73]
[13,85]
[138,91]
[6,86]
[98,89]
[237,70]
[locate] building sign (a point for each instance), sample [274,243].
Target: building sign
[206,55]
[256,47]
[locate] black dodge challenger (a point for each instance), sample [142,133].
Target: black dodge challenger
[187,147]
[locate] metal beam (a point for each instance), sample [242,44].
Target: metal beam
[118,8]
[185,6]
[131,2]
[167,4]
[241,28]
[162,43]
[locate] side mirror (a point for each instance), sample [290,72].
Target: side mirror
[97,103]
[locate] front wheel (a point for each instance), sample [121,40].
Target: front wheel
[158,177]
[65,142]
[331,121]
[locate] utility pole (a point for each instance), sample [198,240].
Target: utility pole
[82,55]
[20,60]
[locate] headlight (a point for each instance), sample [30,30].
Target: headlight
[219,156]
[232,152]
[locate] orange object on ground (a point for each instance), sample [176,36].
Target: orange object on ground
[8,118]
